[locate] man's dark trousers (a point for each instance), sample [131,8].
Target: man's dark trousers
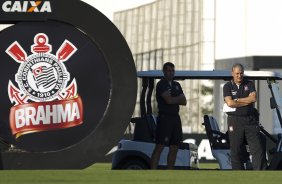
[239,129]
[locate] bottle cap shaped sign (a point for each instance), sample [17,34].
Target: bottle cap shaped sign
[65,71]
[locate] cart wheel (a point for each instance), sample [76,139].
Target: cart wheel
[134,164]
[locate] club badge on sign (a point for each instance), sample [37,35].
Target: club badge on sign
[44,99]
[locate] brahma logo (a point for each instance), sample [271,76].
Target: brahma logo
[27,6]
[44,100]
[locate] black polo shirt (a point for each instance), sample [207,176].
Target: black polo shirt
[175,89]
[245,88]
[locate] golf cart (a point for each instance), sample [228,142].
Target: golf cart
[136,153]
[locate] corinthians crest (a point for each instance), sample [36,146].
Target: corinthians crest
[43,83]
[41,76]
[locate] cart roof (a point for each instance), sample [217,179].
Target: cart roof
[211,74]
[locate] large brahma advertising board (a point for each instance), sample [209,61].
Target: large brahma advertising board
[68,84]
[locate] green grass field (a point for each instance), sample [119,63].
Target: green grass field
[102,173]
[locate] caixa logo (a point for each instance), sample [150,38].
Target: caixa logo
[27,6]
